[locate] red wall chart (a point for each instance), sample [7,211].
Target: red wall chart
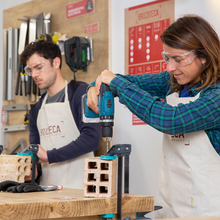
[143,47]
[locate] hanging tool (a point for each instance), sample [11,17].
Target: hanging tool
[106,113]
[22,35]
[47,23]
[26,84]
[75,50]
[20,144]
[5,63]
[29,86]
[1,149]
[40,24]
[22,75]
[12,61]
[32,32]
[18,78]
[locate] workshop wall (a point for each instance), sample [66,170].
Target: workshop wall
[71,27]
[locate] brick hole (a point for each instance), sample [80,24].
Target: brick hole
[91,189]
[20,178]
[103,189]
[104,166]
[91,177]
[20,169]
[104,177]
[27,160]
[92,165]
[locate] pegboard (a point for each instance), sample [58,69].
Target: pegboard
[71,27]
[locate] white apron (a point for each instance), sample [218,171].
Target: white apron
[190,173]
[57,128]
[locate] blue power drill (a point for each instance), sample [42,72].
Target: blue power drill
[106,113]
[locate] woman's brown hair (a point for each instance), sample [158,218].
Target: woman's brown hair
[192,32]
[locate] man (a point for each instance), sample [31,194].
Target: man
[55,120]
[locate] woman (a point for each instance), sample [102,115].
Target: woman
[189,117]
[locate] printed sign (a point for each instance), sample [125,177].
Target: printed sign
[91,28]
[143,47]
[80,8]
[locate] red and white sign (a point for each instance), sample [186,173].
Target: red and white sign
[144,42]
[143,27]
[4,118]
[80,8]
[92,28]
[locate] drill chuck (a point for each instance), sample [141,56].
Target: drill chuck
[107,123]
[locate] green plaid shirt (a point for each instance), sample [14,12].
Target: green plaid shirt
[142,95]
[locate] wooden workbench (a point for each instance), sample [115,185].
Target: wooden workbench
[67,204]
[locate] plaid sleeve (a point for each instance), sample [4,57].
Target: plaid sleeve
[202,114]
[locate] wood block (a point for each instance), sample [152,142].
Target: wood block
[14,167]
[100,177]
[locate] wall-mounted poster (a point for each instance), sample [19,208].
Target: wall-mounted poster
[143,47]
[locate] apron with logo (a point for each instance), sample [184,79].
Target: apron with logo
[190,173]
[57,128]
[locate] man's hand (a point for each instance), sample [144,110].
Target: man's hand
[29,177]
[42,154]
[93,92]
[92,99]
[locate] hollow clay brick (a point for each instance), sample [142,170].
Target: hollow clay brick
[100,177]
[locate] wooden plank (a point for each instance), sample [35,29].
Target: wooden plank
[71,27]
[66,203]
[14,167]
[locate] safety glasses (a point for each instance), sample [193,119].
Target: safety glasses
[178,59]
[37,67]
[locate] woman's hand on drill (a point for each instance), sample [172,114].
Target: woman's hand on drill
[93,92]
[105,77]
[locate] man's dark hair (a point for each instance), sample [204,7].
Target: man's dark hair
[45,49]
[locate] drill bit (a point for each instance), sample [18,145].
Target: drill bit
[107,145]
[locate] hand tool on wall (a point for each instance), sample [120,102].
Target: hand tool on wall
[20,144]
[12,61]
[106,113]
[22,35]
[47,23]
[22,75]
[34,87]
[29,86]
[5,63]
[75,50]
[26,84]
[18,78]
[32,30]
[1,149]
[40,24]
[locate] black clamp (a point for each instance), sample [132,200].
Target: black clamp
[32,150]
